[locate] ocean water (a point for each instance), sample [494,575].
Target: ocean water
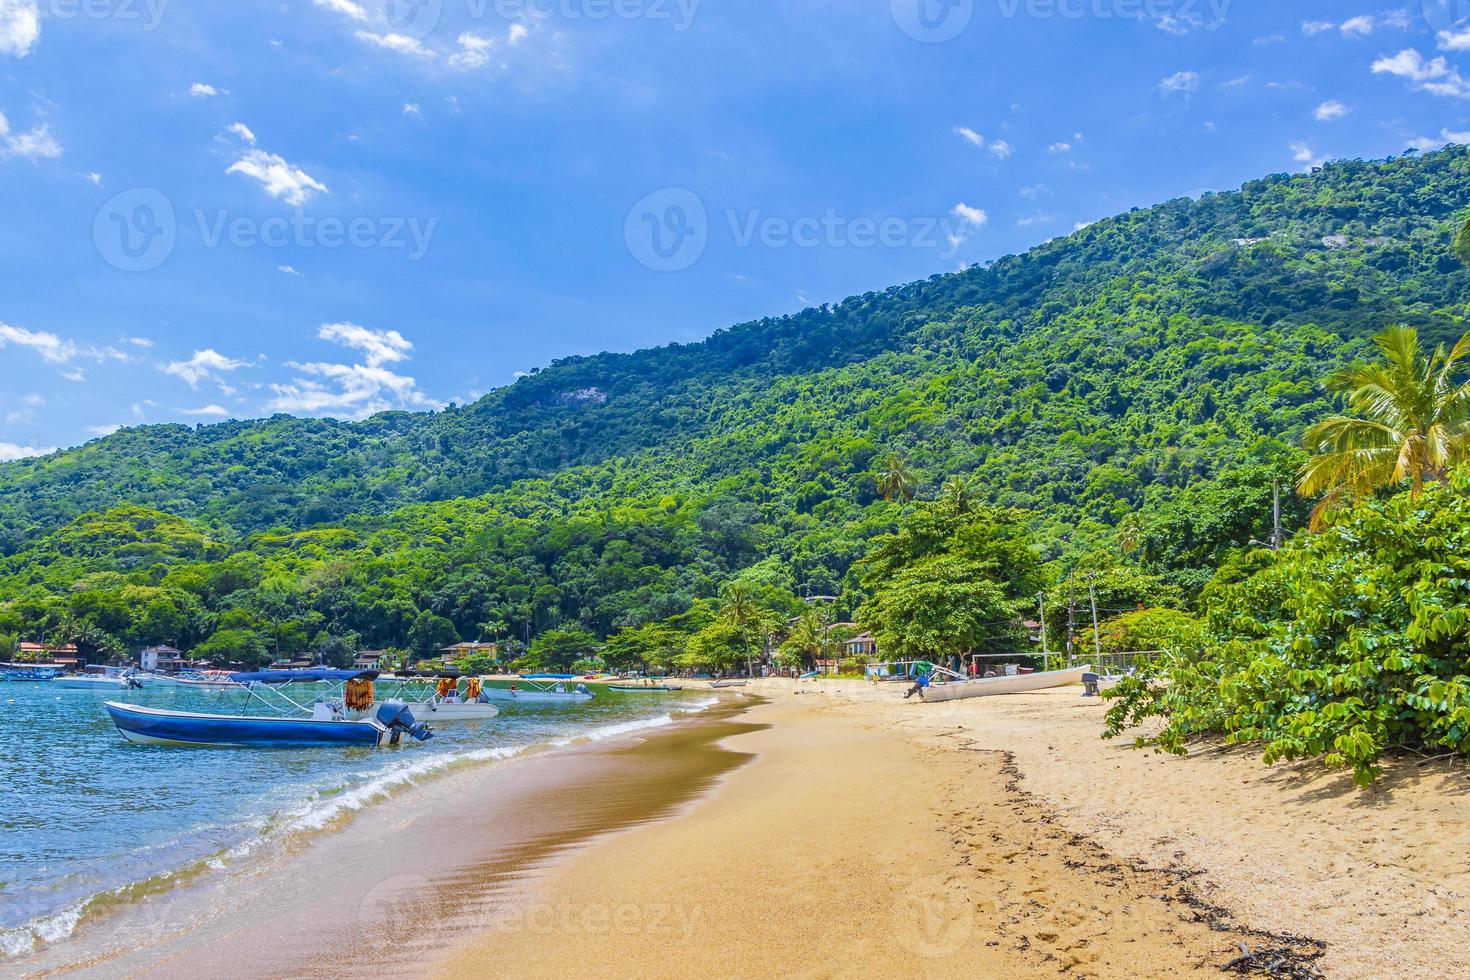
[89,821]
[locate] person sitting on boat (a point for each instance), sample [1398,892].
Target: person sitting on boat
[919,684]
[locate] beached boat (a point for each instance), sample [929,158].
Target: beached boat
[324,723]
[644,688]
[720,684]
[539,694]
[982,687]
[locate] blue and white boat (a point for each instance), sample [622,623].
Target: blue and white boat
[324,723]
[28,675]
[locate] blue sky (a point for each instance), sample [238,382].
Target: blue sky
[217,209]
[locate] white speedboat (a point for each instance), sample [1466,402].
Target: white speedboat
[959,689]
[543,694]
[98,682]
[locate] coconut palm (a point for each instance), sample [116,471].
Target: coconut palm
[958,495]
[812,634]
[895,479]
[1409,423]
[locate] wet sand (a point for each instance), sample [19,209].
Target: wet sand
[413,876]
[844,850]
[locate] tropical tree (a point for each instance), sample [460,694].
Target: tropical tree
[810,640]
[958,494]
[746,618]
[895,479]
[1409,423]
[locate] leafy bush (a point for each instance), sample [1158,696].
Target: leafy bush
[1351,643]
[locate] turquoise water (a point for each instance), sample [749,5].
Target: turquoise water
[88,815]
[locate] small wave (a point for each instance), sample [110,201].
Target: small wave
[328,807]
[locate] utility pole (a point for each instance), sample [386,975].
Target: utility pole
[1045,653]
[1096,634]
[1071,616]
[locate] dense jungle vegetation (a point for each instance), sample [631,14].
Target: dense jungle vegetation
[1116,404]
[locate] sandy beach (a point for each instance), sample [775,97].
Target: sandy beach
[843,831]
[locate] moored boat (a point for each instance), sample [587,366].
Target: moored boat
[539,694]
[981,687]
[324,723]
[644,688]
[99,682]
[28,675]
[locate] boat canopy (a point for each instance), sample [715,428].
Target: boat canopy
[549,677]
[288,676]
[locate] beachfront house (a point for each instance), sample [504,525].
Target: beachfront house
[861,646]
[162,658]
[451,655]
[371,660]
[59,654]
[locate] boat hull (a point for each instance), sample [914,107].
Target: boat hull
[644,690]
[535,697]
[717,685]
[151,726]
[92,683]
[428,711]
[991,686]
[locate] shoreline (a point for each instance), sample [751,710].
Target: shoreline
[390,884]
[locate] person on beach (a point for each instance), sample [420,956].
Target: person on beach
[919,684]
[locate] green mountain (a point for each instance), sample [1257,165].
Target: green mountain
[1152,370]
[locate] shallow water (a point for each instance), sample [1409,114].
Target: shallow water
[88,816]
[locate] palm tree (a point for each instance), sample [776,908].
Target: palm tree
[1462,243]
[743,612]
[812,634]
[958,494]
[1409,423]
[895,479]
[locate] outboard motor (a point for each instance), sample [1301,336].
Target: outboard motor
[1089,685]
[395,716]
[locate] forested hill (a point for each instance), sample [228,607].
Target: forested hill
[1153,348]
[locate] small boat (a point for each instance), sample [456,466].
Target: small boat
[100,682]
[204,678]
[960,688]
[324,723]
[539,694]
[28,675]
[720,684]
[444,702]
[154,726]
[644,688]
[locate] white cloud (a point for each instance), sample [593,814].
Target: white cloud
[969,135]
[412,109]
[201,90]
[52,348]
[1434,76]
[1331,110]
[75,374]
[10,451]
[1360,26]
[1427,143]
[216,410]
[401,43]
[31,145]
[969,215]
[142,342]
[474,51]
[355,390]
[378,347]
[1059,148]
[1302,153]
[205,364]
[244,132]
[94,177]
[278,178]
[344,7]
[1455,40]
[20,27]
[1183,81]
[517,33]
[289,270]
[103,430]
[1001,149]
[1311,27]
